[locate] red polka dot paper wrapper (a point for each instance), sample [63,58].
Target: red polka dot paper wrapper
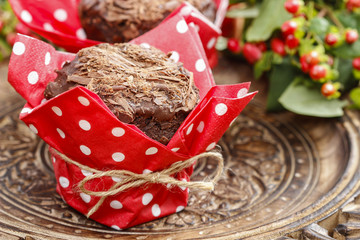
[78,124]
[58,21]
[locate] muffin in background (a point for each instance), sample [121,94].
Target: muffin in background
[121,21]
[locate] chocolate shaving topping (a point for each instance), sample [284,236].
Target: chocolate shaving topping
[142,86]
[123,20]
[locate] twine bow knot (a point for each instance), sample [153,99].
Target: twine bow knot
[128,179]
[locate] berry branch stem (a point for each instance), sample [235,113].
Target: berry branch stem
[331,15]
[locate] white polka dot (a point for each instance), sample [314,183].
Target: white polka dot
[196,27]
[221,109]
[116,179]
[47,58]
[26,16]
[242,92]
[175,56]
[86,173]
[116,204]
[33,77]
[156,211]
[169,185]
[180,208]
[211,146]
[48,27]
[146,199]
[211,43]
[80,33]
[26,110]
[85,197]
[201,126]
[44,100]
[85,150]
[33,128]
[175,149]
[57,110]
[84,101]
[84,125]
[118,132]
[118,157]
[200,65]
[60,15]
[115,227]
[54,159]
[64,182]
[18,48]
[151,151]
[145,45]
[181,26]
[189,129]
[184,180]
[147,171]
[186,10]
[61,133]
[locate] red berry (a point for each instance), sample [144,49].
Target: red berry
[312,58]
[261,46]
[278,46]
[351,36]
[328,89]
[351,4]
[331,39]
[317,72]
[292,42]
[356,63]
[251,53]
[1,25]
[289,28]
[10,38]
[292,6]
[305,67]
[233,45]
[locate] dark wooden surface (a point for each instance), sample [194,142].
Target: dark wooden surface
[287,177]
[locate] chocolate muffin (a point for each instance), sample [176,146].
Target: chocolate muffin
[141,86]
[123,20]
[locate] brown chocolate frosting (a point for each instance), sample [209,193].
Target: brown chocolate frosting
[142,86]
[122,20]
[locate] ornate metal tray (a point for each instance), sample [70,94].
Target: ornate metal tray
[286,177]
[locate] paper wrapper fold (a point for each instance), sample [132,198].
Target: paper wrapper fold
[58,21]
[78,124]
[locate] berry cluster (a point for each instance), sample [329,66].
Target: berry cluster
[307,50]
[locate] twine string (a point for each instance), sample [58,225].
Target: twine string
[130,179]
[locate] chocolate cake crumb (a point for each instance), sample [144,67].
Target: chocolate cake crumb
[123,20]
[141,86]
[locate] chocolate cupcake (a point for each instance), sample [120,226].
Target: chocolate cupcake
[123,20]
[141,86]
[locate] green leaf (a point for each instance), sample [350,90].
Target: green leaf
[347,50]
[355,97]
[299,99]
[252,12]
[349,20]
[280,77]
[272,15]
[346,77]
[263,65]
[319,26]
